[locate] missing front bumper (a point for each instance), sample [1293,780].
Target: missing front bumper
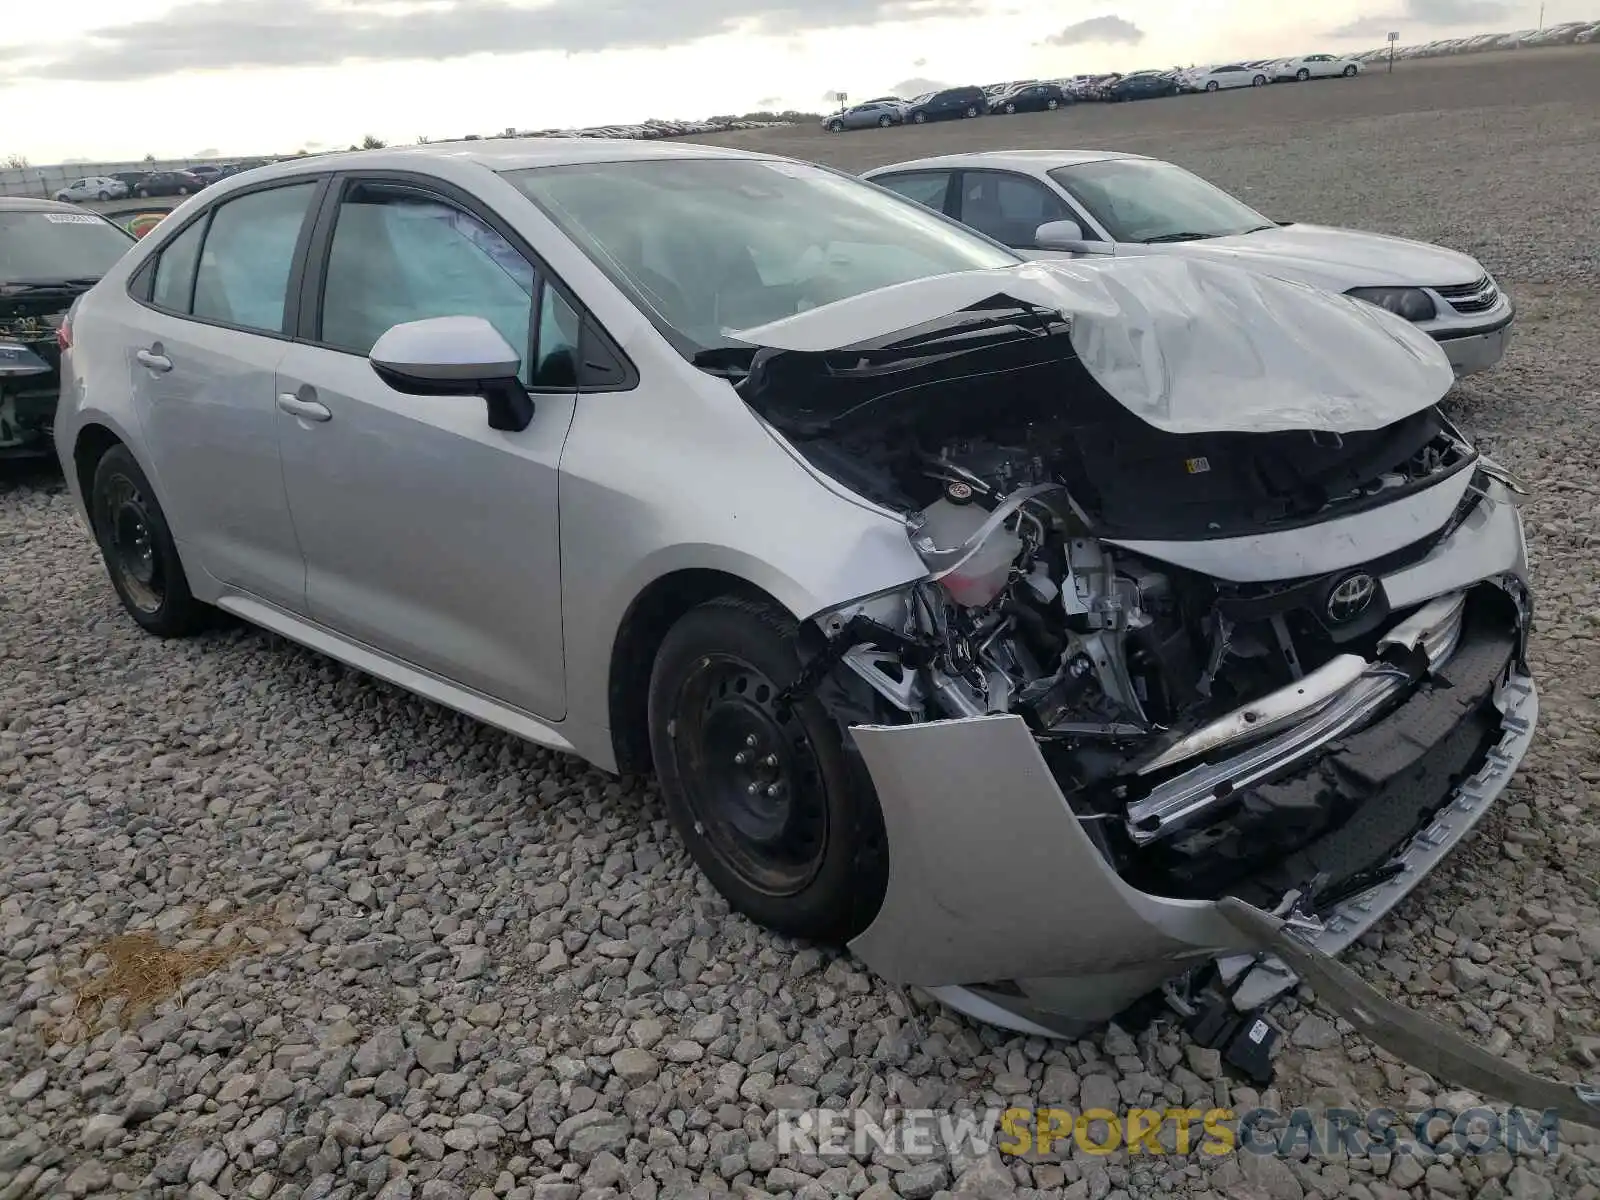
[1000,903]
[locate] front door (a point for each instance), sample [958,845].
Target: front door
[428,535]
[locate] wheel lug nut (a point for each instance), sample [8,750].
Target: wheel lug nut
[770,760]
[742,757]
[772,789]
[750,740]
[753,788]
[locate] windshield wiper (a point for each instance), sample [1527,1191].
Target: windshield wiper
[725,362]
[1180,237]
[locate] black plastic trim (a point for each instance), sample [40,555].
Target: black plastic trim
[1455,335]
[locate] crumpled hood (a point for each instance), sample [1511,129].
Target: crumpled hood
[1337,259]
[1189,346]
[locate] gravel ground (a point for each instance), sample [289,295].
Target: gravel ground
[414,957]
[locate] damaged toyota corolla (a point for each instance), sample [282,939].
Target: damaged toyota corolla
[1218,603]
[1036,629]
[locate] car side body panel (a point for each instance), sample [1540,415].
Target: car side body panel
[651,483]
[728,496]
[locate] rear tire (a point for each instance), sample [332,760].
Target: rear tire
[1052,105]
[104,195]
[920,118]
[142,194]
[1351,71]
[884,122]
[1212,86]
[1259,81]
[1302,74]
[776,810]
[972,110]
[139,552]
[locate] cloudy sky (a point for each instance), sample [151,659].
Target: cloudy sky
[106,79]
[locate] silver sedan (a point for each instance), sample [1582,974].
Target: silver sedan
[1029,626]
[1071,203]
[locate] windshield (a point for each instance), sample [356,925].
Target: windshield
[49,247]
[1140,200]
[713,245]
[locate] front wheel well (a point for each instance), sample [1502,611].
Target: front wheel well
[91,446]
[633,653]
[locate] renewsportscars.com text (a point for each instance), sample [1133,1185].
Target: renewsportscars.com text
[1061,1132]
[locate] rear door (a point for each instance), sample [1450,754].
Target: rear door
[428,535]
[203,340]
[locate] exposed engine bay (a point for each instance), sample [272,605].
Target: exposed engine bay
[1167,701]
[29,365]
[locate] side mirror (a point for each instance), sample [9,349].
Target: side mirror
[456,356]
[1064,235]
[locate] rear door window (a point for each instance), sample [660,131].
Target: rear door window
[927,188]
[174,283]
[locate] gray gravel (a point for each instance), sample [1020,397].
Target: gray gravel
[448,964]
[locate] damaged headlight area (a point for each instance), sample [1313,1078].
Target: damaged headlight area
[1218,725]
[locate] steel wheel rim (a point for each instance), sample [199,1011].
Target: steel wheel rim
[751,775]
[130,544]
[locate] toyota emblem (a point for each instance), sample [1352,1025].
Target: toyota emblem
[1351,598]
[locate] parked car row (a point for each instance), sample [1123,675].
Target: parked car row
[648,130]
[1567,33]
[1080,543]
[1041,95]
[143,184]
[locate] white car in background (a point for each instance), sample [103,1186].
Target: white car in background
[1229,75]
[1316,66]
[1071,203]
[93,187]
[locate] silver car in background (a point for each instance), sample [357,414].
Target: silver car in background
[1070,203]
[880,113]
[1011,621]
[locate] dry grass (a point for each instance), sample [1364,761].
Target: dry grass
[142,971]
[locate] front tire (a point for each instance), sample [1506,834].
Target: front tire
[884,122]
[1351,71]
[139,552]
[920,118]
[143,194]
[1259,81]
[835,127]
[776,809]
[104,195]
[1052,105]
[972,110]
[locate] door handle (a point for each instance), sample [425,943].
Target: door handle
[155,361]
[308,410]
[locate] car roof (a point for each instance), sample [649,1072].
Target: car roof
[1026,160]
[30,204]
[502,154]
